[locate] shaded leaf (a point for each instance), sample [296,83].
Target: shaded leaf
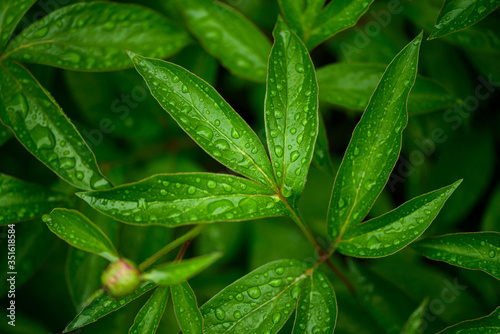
[321,155]
[489,324]
[186,308]
[5,134]
[149,317]
[11,12]
[416,320]
[301,15]
[491,216]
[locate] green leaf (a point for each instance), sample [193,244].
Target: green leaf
[259,302]
[21,200]
[375,144]
[337,16]
[149,317]
[395,230]
[317,306]
[175,272]
[207,118]
[489,324]
[41,126]
[476,251]
[179,199]
[186,308]
[301,14]
[74,228]
[350,85]
[228,36]
[458,14]
[5,134]
[103,305]
[94,37]
[11,12]
[291,111]
[416,320]
[321,155]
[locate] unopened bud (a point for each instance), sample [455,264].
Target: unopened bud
[121,278]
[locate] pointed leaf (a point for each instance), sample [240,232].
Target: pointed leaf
[489,324]
[317,306]
[175,272]
[78,231]
[206,117]
[103,305]
[94,37]
[457,15]
[416,320]
[395,230]
[375,144]
[186,308]
[149,317]
[321,155]
[11,12]
[291,110]
[301,15]
[228,36]
[476,251]
[21,200]
[259,302]
[41,126]
[179,199]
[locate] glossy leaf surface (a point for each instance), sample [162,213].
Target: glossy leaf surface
[393,231]
[459,14]
[177,199]
[228,36]
[291,110]
[375,144]
[94,36]
[41,126]
[476,251]
[186,308]
[11,12]
[103,305]
[416,320]
[74,228]
[21,200]
[260,301]
[317,306]
[489,324]
[301,15]
[175,272]
[206,117]
[149,317]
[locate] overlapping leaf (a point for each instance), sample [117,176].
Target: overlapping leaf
[375,144]
[186,309]
[149,317]
[321,155]
[489,324]
[41,126]
[94,37]
[11,12]
[301,14]
[416,320]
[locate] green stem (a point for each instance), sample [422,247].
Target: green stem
[176,243]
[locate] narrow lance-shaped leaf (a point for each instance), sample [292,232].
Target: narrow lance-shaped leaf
[416,319]
[228,36]
[489,324]
[41,126]
[21,200]
[291,111]
[175,272]
[393,231]
[79,232]
[94,37]
[103,305]
[186,308]
[457,15]
[11,12]
[206,117]
[375,144]
[179,199]
[476,251]
[149,316]
[259,302]
[317,306]
[321,155]
[301,15]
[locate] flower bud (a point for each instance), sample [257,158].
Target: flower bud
[121,278]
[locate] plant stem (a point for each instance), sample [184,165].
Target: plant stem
[183,250]
[177,242]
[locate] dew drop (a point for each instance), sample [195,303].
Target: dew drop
[67,163]
[235,134]
[279,151]
[275,283]
[204,132]
[43,137]
[220,314]
[254,292]
[276,318]
[294,155]
[491,253]
[299,68]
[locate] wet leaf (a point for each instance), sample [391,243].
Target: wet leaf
[207,118]
[301,15]
[186,308]
[395,230]
[94,37]
[416,320]
[5,134]
[476,251]
[228,36]
[149,317]
[41,126]
[260,301]
[74,228]
[489,324]
[321,155]
[179,199]
[375,144]
[11,12]
[291,111]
